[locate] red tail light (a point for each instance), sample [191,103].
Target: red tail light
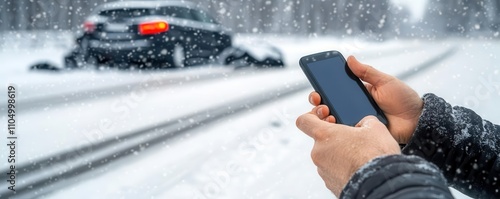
[150,28]
[88,26]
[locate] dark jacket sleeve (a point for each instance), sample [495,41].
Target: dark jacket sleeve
[397,176]
[463,145]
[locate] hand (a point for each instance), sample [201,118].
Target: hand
[400,103]
[340,150]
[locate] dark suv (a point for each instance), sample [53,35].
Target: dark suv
[150,33]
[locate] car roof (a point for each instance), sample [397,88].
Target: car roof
[144,4]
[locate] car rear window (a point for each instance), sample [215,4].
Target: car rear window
[172,11]
[126,12]
[202,16]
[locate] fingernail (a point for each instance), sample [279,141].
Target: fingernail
[310,99]
[319,112]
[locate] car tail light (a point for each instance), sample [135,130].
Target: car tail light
[88,26]
[150,28]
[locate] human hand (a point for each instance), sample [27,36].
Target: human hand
[340,150]
[401,104]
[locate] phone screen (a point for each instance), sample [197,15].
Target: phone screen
[340,88]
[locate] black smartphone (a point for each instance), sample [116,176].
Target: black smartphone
[343,92]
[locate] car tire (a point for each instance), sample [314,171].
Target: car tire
[70,61]
[91,61]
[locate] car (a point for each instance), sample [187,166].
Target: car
[149,33]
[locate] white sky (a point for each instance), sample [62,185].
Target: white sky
[417,7]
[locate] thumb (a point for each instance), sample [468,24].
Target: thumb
[367,73]
[311,125]
[370,122]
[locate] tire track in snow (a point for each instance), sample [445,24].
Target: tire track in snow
[428,64]
[61,167]
[151,82]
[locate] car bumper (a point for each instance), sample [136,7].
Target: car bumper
[129,51]
[120,45]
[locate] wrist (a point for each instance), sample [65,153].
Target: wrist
[413,122]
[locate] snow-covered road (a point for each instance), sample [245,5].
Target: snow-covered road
[256,153]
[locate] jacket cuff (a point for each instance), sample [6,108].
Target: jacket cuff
[396,176]
[461,143]
[434,129]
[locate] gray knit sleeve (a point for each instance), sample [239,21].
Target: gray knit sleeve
[463,145]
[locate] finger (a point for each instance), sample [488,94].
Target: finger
[314,98]
[311,125]
[322,111]
[368,87]
[370,90]
[367,73]
[330,119]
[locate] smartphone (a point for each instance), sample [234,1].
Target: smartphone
[340,90]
